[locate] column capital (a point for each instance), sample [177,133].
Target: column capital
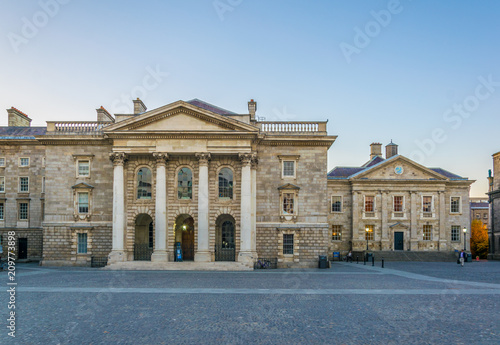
[118,158]
[203,157]
[247,157]
[255,161]
[160,157]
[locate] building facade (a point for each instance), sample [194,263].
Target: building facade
[480,210]
[194,179]
[397,204]
[494,201]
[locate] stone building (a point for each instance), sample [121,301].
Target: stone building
[494,200]
[396,204]
[480,210]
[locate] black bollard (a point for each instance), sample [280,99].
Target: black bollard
[357,259]
[364,260]
[382,262]
[373,260]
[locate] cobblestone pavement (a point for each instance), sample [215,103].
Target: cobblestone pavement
[403,303]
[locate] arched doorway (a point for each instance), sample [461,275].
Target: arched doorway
[225,238]
[144,237]
[184,234]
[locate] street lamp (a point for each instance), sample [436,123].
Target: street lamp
[465,238]
[367,230]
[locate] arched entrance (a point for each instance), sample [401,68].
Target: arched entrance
[184,234]
[144,237]
[225,238]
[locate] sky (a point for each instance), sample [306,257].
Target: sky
[423,74]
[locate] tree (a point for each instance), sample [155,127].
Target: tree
[479,239]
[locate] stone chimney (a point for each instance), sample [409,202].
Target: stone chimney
[391,150]
[375,150]
[252,108]
[103,115]
[17,118]
[139,107]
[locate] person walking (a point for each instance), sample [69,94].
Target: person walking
[349,256]
[462,257]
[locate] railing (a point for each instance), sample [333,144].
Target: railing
[223,253]
[98,261]
[142,252]
[293,127]
[92,127]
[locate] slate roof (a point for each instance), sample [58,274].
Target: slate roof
[343,172]
[21,132]
[373,161]
[210,107]
[480,205]
[448,174]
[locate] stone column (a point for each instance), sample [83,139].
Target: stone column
[160,251]
[385,225]
[246,255]
[255,162]
[413,221]
[118,250]
[202,253]
[356,234]
[442,224]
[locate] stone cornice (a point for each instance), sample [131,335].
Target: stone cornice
[297,142]
[219,135]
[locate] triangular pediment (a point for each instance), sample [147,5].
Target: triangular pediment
[289,186]
[82,185]
[180,117]
[398,168]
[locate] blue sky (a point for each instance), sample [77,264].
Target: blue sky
[422,73]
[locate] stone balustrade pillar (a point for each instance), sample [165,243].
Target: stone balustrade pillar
[202,253]
[118,249]
[160,250]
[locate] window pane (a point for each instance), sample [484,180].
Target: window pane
[288,168]
[455,233]
[427,232]
[368,203]
[455,204]
[427,204]
[24,184]
[25,162]
[398,204]
[369,234]
[288,203]
[83,202]
[336,232]
[2,184]
[23,211]
[83,168]
[185,184]
[82,243]
[1,211]
[144,183]
[2,162]
[151,235]
[226,183]
[287,243]
[336,204]
[227,234]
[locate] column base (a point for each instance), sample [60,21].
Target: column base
[247,258]
[159,256]
[204,256]
[116,256]
[443,246]
[414,245]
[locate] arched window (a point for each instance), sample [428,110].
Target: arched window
[185,184]
[227,234]
[225,183]
[144,183]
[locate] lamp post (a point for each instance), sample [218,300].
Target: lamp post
[367,230]
[465,238]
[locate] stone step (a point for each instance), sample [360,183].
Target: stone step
[178,266]
[410,256]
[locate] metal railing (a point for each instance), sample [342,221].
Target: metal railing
[98,261]
[224,254]
[142,252]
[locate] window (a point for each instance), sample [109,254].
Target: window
[43,184]
[336,204]
[455,233]
[288,201]
[24,162]
[185,184]
[427,204]
[2,184]
[144,183]
[336,232]
[82,243]
[227,234]
[369,204]
[455,204]
[150,233]
[288,168]
[427,232]
[24,185]
[83,202]
[485,216]
[2,211]
[83,168]
[23,211]
[225,183]
[2,161]
[398,203]
[287,243]
[478,215]
[369,233]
